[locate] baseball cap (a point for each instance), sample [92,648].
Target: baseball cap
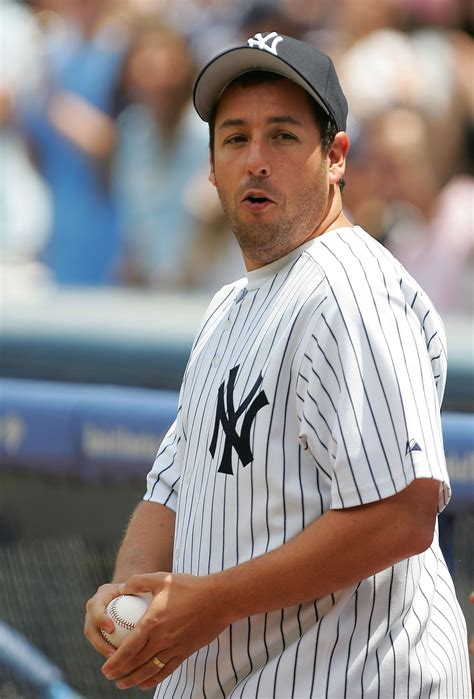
[296,60]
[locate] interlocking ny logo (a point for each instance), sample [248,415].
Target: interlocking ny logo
[262,42]
[227,416]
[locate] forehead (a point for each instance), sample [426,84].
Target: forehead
[280,96]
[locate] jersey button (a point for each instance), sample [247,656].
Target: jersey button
[215,360]
[228,324]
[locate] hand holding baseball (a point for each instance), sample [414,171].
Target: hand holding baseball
[97,619]
[184,615]
[125,612]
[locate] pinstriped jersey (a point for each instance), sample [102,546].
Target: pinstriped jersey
[314,383]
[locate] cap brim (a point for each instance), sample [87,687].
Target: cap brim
[216,76]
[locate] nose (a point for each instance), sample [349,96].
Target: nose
[258,163]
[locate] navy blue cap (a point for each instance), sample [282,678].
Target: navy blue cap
[296,60]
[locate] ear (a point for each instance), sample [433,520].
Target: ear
[337,156]
[212,174]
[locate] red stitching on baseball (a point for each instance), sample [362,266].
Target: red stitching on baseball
[107,637]
[117,618]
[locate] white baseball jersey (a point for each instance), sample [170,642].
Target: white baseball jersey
[315,383]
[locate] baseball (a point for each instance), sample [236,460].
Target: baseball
[124,611]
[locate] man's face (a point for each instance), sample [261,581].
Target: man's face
[269,168]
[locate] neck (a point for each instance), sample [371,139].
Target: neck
[338,220]
[334,216]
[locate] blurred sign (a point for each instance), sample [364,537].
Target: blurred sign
[113,432]
[82,430]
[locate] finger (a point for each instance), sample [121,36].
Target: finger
[96,639]
[96,610]
[149,675]
[148,672]
[94,636]
[140,584]
[162,674]
[133,653]
[96,619]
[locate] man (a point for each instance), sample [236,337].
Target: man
[295,497]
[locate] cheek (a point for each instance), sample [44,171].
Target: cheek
[224,177]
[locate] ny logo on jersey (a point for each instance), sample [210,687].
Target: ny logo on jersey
[227,416]
[262,42]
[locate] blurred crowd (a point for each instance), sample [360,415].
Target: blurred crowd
[104,163]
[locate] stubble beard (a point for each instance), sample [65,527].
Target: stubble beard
[266,241]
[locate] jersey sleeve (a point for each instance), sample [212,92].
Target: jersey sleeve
[164,476]
[371,410]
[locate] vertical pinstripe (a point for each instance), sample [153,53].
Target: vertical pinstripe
[353,363]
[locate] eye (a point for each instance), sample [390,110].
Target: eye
[285,136]
[235,139]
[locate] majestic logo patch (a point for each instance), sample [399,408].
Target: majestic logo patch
[227,416]
[263,42]
[412,445]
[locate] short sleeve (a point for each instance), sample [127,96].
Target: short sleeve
[164,476]
[370,408]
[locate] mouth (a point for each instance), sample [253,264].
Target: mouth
[257,201]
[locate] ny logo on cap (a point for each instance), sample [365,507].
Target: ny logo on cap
[260,42]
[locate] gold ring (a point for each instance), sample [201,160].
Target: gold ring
[159,663]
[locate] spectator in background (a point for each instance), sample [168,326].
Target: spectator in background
[209,25]
[266,16]
[412,113]
[169,211]
[24,198]
[389,68]
[430,222]
[72,130]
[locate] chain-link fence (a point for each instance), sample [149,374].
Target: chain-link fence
[44,586]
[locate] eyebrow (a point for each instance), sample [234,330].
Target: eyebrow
[283,119]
